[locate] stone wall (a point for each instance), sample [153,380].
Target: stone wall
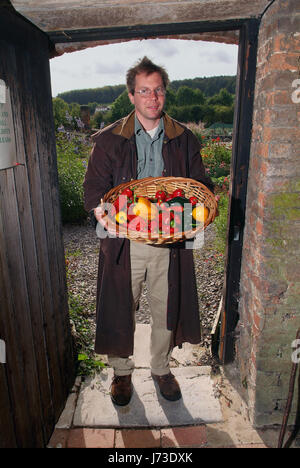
[270,278]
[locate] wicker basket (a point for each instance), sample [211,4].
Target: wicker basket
[147,188]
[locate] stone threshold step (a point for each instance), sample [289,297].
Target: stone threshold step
[93,408]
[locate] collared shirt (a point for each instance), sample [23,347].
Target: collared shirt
[150,161]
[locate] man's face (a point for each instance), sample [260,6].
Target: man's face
[148,108]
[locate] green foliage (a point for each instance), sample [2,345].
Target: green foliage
[60,109]
[108,94]
[97,119]
[199,99]
[217,158]
[72,155]
[186,96]
[65,114]
[222,98]
[224,114]
[104,95]
[185,114]
[121,107]
[82,328]
[208,85]
[170,99]
[220,224]
[92,106]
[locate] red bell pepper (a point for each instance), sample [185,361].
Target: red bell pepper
[160,195]
[193,200]
[178,193]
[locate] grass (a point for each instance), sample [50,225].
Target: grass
[87,361]
[221,224]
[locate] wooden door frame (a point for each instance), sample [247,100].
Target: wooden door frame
[248,34]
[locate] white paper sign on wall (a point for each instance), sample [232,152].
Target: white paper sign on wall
[7,135]
[2,352]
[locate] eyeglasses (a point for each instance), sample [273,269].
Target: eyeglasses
[146,92]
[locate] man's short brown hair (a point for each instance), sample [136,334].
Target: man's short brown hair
[145,65]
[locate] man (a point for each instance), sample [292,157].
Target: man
[145,143]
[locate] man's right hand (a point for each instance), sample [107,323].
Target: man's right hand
[102,218]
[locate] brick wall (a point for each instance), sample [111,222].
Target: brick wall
[270,279]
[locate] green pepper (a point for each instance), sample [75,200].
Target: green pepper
[181,200]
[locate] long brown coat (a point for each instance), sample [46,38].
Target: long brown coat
[113,161]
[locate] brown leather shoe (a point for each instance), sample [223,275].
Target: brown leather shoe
[168,386]
[121,389]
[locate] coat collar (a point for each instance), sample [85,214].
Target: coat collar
[125,127]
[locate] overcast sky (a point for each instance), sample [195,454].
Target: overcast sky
[107,65]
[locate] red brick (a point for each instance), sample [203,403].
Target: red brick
[91,438]
[263,150]
[184,437]
[279,98]
[59,438]
[284,116]
[257,322]
[283,61]
[281,150]
[264,168]
[280,134]
[137,438]
[259,227]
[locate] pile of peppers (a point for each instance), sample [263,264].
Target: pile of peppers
[165,214]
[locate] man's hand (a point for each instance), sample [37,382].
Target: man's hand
[102,217]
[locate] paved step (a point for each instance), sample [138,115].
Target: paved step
[147,407]
[198,420]
[91,405]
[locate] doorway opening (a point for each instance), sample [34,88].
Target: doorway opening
[214,267]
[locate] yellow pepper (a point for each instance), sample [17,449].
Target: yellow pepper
[145,209]
[200,213]
[121,217]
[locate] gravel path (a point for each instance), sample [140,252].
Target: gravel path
[82,248]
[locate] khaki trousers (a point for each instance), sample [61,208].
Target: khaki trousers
[151,263]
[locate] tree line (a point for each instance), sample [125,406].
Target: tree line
[208,100]
[108,94]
